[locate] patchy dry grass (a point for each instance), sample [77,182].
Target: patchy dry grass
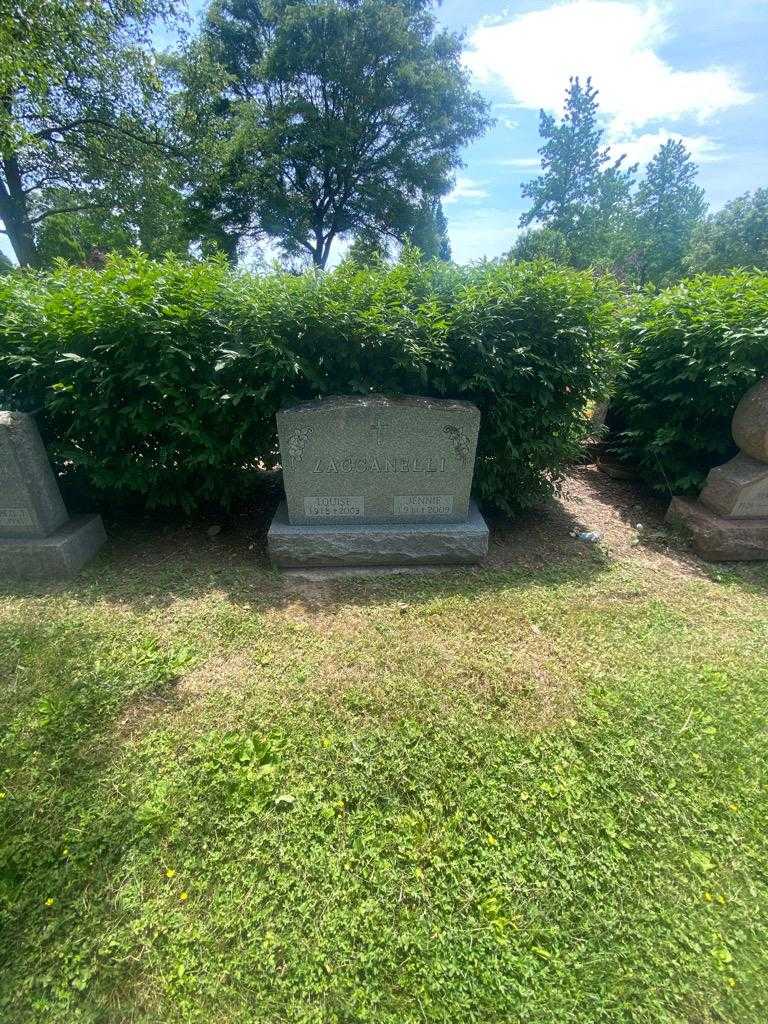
[532,793]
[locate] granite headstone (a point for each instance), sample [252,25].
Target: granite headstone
[37,537]
[378,480]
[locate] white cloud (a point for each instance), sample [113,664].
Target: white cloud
[520,163]
[466,188]
[534,54]
[643,148]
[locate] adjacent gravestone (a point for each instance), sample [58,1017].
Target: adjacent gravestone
[729,522]
[372,480]
[37,537]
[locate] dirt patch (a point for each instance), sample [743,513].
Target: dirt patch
[217,673]
[628,518]
[165,566]
[140,713]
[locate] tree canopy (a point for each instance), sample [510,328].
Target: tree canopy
[589,209]
[332,118]
[304,122]
[667,207]
[582,190]
[79,90]
[736,236]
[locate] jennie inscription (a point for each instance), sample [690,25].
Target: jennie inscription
[374,459]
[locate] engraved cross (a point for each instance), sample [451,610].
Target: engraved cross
[378,426]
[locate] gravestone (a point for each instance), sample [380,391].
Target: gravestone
[37,537]
[372,480]
[729,522]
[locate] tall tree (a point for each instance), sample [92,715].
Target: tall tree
[582,192]
[668,205]
[368,250]
[429,231]
[736,236]
[78,92]
[540,243]
[335,116]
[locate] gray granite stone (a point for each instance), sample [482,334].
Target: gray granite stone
[62,553]
[297,545]
[378,460]
[30,502]
[738,489]
[37,538]
[720,538]
[750,422]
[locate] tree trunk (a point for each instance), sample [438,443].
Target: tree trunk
[318,248]
[15,215]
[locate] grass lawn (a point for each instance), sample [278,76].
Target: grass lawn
[534,793]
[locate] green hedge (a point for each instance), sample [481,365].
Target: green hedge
[160,380]
[690,354]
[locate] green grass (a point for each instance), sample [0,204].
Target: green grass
[495,797]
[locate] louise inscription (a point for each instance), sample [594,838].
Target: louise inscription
[331,505]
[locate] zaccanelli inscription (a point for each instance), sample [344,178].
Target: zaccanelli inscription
[382,464]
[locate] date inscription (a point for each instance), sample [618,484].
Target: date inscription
[423,504]
[16,519]
[332,506]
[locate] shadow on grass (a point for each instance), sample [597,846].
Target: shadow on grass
[152,561]
[149,565]
[64,832]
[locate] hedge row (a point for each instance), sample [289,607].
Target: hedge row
[690,352]
[160,380]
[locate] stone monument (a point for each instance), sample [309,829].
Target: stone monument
[729,522]
[37,537]
[372,480]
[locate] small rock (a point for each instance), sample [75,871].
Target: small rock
[213,531]
[589,536]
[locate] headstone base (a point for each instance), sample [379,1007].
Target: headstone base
[720,538]
[61,554]
[738,488]
[295,547]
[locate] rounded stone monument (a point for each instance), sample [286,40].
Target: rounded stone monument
[729,522]
[750,423]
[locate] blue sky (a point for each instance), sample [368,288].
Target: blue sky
[694,69]
[691,69]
